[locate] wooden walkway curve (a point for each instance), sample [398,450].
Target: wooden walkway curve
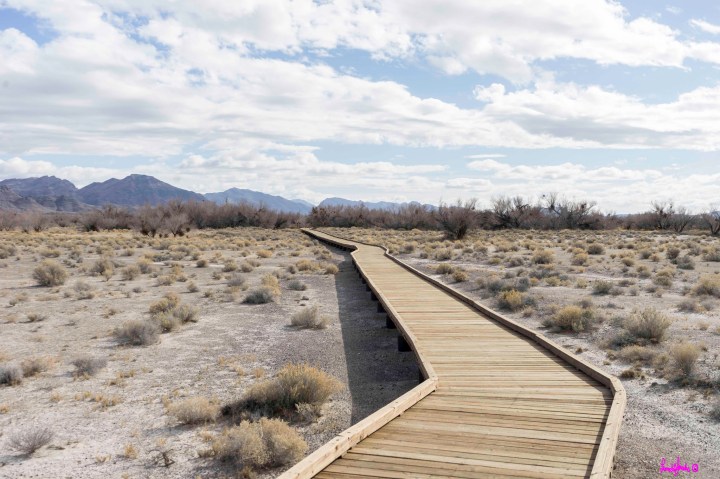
[497,400]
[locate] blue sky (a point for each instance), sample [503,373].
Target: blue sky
[611,101]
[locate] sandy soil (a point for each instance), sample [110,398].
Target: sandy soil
[664,417]
[96,420]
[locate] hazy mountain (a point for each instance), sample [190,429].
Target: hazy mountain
[43,186]
[379,205]
[134,190]
[278,203]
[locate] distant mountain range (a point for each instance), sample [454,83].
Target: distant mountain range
[278,203]
[48,193]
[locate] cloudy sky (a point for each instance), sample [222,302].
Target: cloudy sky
[400,100]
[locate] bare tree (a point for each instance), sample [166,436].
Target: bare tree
[510,212]
[662,214]
[570,214]
[681,219]
[458,219]
[711,219]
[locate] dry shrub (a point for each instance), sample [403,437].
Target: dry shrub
[137,332]
[194,410]
[246,267]
[308,318]
[511,300]
[266,443]
[708,285]
[543,257]
[50,273]
[443,254]
[169,302]
[271,283]
[330,268]
[685,262]
[129,273]
[29,440]
[32,366]
[201,263]
[460,276]
[296,285]
[88,365]
[103,267]
[602,287]
[649,324]
[684,356]
[236,281]
[83,290]
[306,265]
[595,248]
[229,266]
[715,410]
[444,268]
[11,374]
[263,253]
[635,353]
[573,318]
[579,259]
[294,384]
[259,296]
[145,265]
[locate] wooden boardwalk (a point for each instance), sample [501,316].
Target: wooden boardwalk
[497,401]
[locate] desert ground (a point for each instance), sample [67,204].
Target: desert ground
[154,410]
[642,306]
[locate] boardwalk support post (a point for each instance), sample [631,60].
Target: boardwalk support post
[403,345]
[389,323]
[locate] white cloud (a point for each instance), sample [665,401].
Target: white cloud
[706,26]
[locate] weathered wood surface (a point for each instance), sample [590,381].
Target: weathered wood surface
[498,401]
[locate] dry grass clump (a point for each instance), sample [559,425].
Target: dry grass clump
[264,253]
[266,443]
[308,318]
[684,356]
[10,374]
[648,324]
[293,385]
[137,332]
[88,365]
[708,285]
[201,263]
[685,262]
[595,249]
[443,254]
[573,318]
[271,283]
[229,266]
[29,440]
[50,273]
[194,410]
[169,302]
[145,266]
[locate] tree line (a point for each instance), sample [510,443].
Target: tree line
[549,212]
